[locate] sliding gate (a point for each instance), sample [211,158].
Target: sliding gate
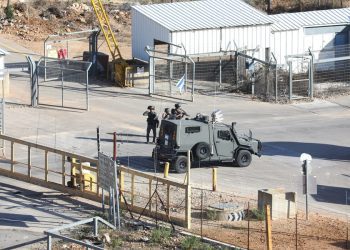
[63,83]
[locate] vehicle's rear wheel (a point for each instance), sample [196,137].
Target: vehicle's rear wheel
[180,164]
[202,150]
[244,158]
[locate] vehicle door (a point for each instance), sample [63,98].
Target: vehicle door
[223,142]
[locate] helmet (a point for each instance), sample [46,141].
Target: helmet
[177,105]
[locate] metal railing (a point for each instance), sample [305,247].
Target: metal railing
[55,233]
[145,194]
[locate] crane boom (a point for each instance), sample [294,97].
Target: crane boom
[119,63]
[106,29]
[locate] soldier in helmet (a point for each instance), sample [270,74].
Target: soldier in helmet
[166,114]
[180,113]
[172,115]
[152,122]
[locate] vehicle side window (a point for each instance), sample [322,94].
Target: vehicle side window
[224,135]
[190,130]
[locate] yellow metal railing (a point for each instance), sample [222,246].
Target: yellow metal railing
[83,180]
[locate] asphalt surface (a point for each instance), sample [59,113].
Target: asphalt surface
[320,128]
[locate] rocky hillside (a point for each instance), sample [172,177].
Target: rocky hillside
[32,21]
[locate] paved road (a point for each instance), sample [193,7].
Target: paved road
[320,128]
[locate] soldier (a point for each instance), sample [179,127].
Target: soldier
[166,114]
[172,116]
[152,122]
[180,113]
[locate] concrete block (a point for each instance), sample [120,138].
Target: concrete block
[282,204]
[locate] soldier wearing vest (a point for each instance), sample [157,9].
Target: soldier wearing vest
[152,122]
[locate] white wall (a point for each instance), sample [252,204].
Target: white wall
[293,42]
[144,31]
[212,40]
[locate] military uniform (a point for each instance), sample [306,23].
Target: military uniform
[152,122]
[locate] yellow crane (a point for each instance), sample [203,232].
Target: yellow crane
[119,63]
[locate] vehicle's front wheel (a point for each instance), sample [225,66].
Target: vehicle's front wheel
[180,164]
[244,158]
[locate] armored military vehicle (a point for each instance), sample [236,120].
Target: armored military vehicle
[207,141]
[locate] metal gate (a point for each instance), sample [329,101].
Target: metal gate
[171,75]
[300,76]
[257,76]
[66,84]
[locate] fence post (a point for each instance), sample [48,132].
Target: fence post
[168,201]
[268,226]
[248,219]
[46,165]
[63,170]
[214,172]
[29,163]
[290,80]
[188,206]
[49,242]
[12,157]
[311,80]
[150,194]
[121,183]
[95,227]
[81,177]
[296,231]
[188,193]
[132,189]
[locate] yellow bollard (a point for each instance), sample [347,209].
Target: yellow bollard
[214,178]
[166,170]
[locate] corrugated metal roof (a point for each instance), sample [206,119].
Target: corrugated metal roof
[291,21]
[206,14]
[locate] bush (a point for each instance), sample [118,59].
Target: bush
[160,235]
[194,243]
[258,214]
[116,242]
[9,12]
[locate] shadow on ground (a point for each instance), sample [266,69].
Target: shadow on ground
[316,150]
[330,194]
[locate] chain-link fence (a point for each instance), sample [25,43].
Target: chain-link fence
[215,74]
[257,77]
[332,70]
[63,83]
[171,75]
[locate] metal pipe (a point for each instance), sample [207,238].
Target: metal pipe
[290,80]
[87,90]
[117,193]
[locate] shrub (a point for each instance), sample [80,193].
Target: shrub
[194,243]
[116,242]
[160,235]
[9,12]
[258,214]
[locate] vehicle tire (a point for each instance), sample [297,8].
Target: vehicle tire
[202,151]
[180,164]
[244,158]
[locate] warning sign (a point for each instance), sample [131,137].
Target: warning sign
[106,172]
